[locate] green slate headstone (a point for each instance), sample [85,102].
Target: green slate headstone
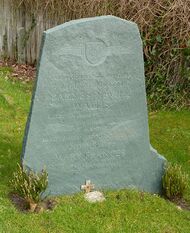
[88,119]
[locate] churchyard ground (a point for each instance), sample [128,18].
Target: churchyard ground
[123,211]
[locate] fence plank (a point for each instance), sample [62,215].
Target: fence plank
[21,33]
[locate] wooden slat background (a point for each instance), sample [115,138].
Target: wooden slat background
[21,33]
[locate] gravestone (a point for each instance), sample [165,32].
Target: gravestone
[88,118]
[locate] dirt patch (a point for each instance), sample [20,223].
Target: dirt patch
[181,203]
[22,205]
[19,202]
[20,71]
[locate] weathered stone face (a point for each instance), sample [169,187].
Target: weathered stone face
[88,119]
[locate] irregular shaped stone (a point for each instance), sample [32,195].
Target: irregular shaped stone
[88,118]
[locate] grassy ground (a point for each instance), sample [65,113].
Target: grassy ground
[123,211]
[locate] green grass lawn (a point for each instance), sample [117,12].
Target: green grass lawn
[123,211]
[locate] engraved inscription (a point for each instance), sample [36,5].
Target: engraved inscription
[88,119]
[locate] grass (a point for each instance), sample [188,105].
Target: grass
[123,211]
[170,135]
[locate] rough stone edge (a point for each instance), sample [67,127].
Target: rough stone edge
[27,126]
[88,19]
[155,153]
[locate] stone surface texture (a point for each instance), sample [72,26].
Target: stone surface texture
[88,118]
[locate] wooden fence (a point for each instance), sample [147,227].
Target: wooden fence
[21,33]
